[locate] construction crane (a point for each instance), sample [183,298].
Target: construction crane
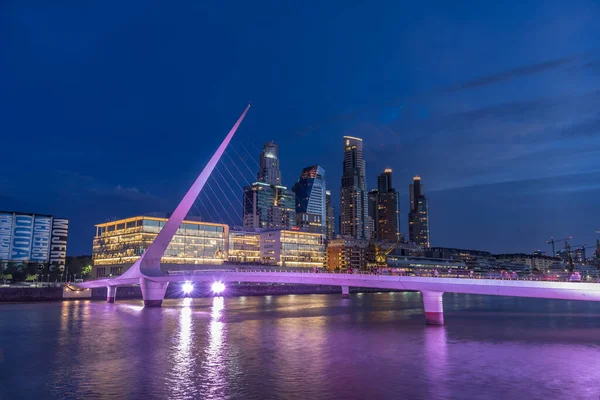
[381,255]
[552,241]
[378,253]
[569,256]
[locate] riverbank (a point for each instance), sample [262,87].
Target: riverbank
[25,294]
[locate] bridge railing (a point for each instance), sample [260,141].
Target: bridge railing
[590,277]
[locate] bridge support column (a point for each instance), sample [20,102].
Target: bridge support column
[345,292]
[111,293]
[153,293]
[434,307]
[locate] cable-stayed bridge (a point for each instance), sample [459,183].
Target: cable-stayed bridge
[146,270]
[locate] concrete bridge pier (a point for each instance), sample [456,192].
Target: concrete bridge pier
[111,293]
[153,293]
[434,307]
[345,292]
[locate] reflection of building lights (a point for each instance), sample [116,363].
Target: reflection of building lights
[218,306]
[184,362]
[215,366]
[218,287]
[187,287]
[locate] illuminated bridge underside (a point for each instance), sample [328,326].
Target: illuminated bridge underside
[431,288]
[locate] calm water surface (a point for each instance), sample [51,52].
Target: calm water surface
[371,346]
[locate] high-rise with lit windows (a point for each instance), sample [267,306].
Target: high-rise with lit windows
[269,171]
[418,218]
[267,203]
[354,217]
[384,208]
[311,209]
[268,207]
[330,217]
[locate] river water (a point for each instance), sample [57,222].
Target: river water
[371,346]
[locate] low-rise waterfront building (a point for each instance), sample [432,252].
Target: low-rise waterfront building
[347,253]
[292,248]
[118,244]
[244,247]
[414,264]
[199,245]
[458,254]
[531,261]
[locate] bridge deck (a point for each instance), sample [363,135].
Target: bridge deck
[520,288]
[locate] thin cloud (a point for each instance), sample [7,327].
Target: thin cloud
[592,65]
[587,128]
[421,97]
[537,184]
[127,193]
[512,73]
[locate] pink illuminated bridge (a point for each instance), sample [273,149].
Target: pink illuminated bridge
[146,270]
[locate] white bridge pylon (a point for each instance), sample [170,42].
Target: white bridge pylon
[148,265]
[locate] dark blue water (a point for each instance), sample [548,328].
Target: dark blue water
[371,346]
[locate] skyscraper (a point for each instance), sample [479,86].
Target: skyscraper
[418,218]
[384,208]
[269,171]
[373,200]
[354,219]
[268,204]
[311,208]
[330,218]
[384,181]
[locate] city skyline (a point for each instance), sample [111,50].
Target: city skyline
[503,128]
[207,199]
[269,171]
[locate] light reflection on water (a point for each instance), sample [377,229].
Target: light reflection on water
[184,362]
[436,360]
[317,347]
[215,366]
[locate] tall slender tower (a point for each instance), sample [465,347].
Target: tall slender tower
[354,219]
[330,232]
[269,171]
[418,218]
[384,207]
[267,203]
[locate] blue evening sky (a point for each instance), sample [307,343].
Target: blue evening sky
[109,109]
